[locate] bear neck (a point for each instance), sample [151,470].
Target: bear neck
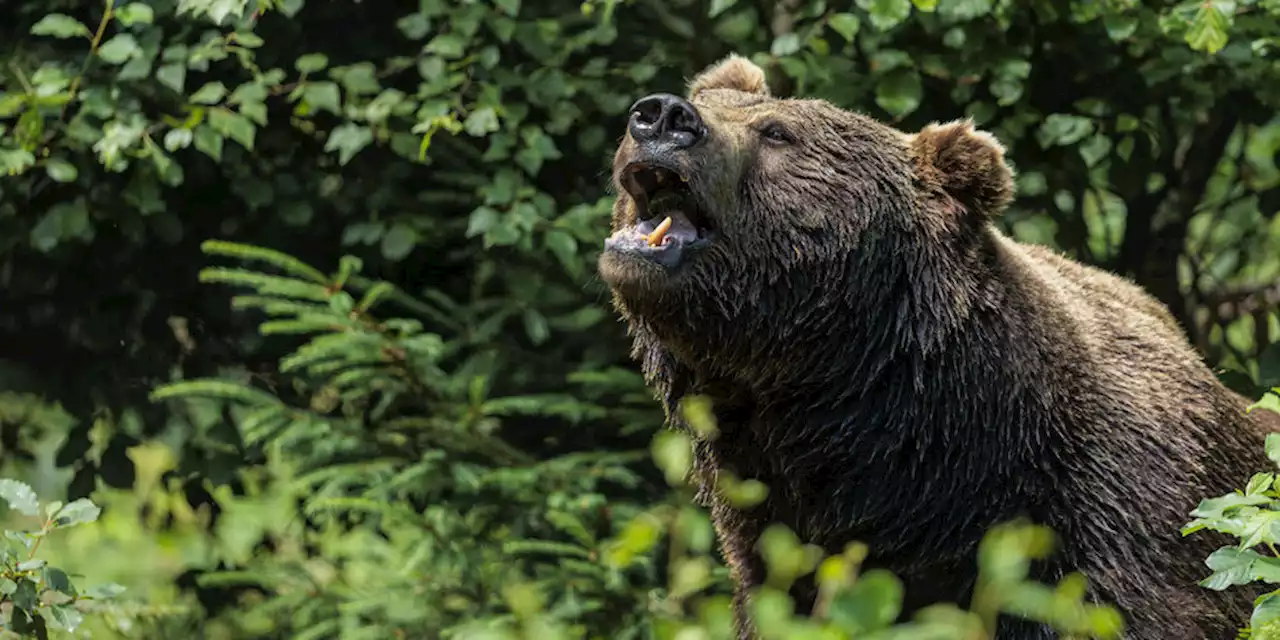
[787,334]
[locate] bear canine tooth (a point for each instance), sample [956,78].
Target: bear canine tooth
[658,234]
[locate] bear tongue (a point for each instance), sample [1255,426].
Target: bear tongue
[676,227]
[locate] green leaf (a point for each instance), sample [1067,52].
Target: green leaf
[323,95]
[208,142]
[1120,25]
[233,125]
[482,219]
[358,79]
[61,170]
[177,139]
[1063,129]
[210,93]
[1259,483]
[173,76]
[1266,610]
[927,6]
[31,565]
[899,92]
[535,326]
[1208,31]
[25,596]
[135,13]
[785,44]
[886,14]
[76,512]
[1269,366]
[564,247]
[58,25]
[414,26]
[119,49]
[447,45]
[481,122]
[311,62]
[871,604]
[1273,445]
[58,580]
[20,497]
[348,139]
[509,7]
[845,24]
[399,241]
[15,161]
[720,6]
[66,616]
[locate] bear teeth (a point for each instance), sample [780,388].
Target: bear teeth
[654,239]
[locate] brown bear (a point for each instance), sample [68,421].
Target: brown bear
[898,371]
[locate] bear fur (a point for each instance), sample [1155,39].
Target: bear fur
[899,372]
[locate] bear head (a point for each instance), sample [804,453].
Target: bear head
[747,227]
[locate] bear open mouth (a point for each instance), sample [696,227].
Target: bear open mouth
[668,216]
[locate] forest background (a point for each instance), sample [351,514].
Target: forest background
[477,450]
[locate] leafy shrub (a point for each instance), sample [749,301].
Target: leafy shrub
[35,595]
[1253,516]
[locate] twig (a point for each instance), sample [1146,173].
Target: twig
[93,50]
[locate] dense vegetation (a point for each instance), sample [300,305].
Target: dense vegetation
[302,296]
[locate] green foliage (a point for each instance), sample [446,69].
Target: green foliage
[36,596]
[1252,516]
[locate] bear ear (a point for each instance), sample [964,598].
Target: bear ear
[733,72]
[966,164]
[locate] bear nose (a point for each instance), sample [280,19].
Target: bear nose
[663,117]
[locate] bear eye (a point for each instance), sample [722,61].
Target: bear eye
[776,134]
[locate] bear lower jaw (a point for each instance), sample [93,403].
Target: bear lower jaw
[680,242]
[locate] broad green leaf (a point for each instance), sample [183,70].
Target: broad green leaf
[886,14]
[720,6]
[845,24]
[1208,30]
[15,161]
[1273,442]
[535,326]
[448,45]
[323,95]
[210,93]
[59,25]
[871,604]
[58,580]
[208,141]
[481,121]
[119,49]
[785,44]
[20,497]
[1269,366]
[1269,402]
[899,92]
[77,512]
[414,26]
[177,139]
[135,13]
[173,76]
[66,616]
[60,170]
[1266,610]
[1062,129]
[926,6]
[398,241]
[233,125]
[311,62]
[348,139]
